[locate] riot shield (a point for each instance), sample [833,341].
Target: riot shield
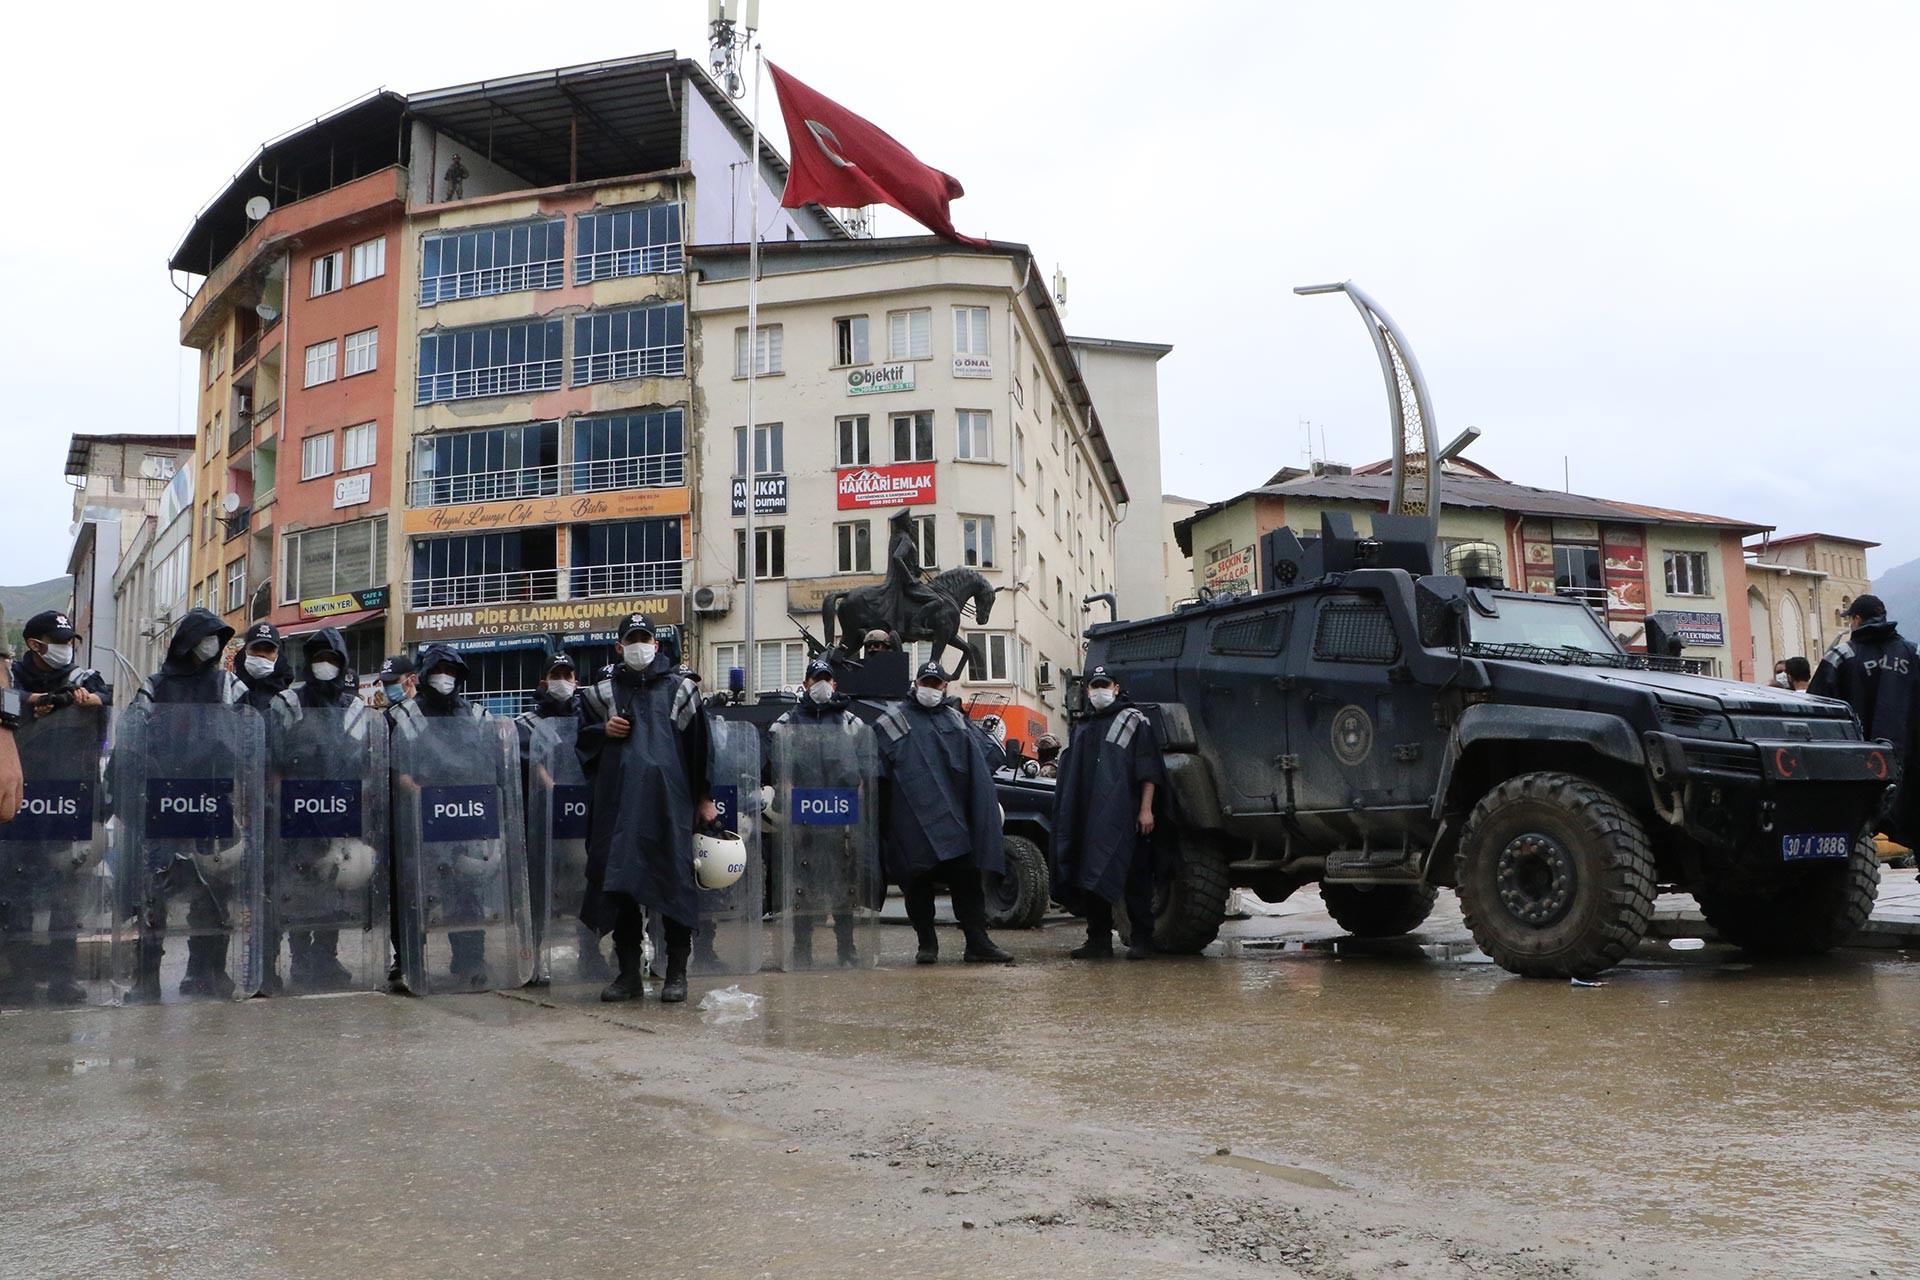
[326,877]
[458,841]
[558,795]
[56,889]
[727,938]
[189,799]
[825,821]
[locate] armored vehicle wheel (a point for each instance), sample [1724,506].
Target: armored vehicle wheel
[1814,910]
[1189,910]
[1378,910]
[1018,899]
[1555,876]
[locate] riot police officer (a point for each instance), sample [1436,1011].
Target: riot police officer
[396,682]
[262,666]
[557,698]
[1876,671]
[940,820]
[1103,819]
[818,744]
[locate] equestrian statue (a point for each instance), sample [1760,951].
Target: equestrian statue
[909,604]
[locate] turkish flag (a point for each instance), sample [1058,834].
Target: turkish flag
[843,160]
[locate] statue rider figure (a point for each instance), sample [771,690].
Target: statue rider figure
[904,594]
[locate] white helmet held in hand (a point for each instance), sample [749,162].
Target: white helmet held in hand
[476,860]
[346,866]
[221,861]
[769,811]
[718,860]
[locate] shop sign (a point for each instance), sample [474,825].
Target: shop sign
[876,378]
[973,366]
[903,484]
[351,491]
[539,619]
[769,495]
[347,602]
[1232,572]
[623,504]
[1623,553]
[1698,628]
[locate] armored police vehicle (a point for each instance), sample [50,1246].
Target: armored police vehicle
[1385,731]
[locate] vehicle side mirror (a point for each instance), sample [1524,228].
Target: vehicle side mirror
[1663,640]
[1075,694]
[1441,607]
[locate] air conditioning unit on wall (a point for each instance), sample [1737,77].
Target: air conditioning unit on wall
[712,599]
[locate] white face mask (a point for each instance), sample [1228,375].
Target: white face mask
[324,671]
[1782,682]
[442,683]
[1101,698]
[640,655]
[928,696]
[208,649]
[258,667]
[561,688]
[59,655]
[821,691]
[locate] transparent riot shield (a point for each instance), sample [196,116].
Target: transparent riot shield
[189,799]
[458,839]
[326,876]
[557,798]
[728,936]
[56,889]
[824,821]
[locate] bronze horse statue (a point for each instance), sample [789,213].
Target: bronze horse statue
[936,619]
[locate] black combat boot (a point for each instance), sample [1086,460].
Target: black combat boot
[981,948]
[929,952]
[679,946]
[1140,947]
[206,975]
[1098,946]
[848,954]
[591,966]
[628,984]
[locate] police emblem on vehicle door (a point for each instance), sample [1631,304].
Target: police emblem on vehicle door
[1352,735]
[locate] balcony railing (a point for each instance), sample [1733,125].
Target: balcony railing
[236,526]
[486,281]
[1595,598]
[638,362]
[262,602]
[244,350]
[527,586]
[651,471]
[240,435]
[493,380]
[503,702]
[647,260]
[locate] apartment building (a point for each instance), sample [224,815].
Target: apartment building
[121,486]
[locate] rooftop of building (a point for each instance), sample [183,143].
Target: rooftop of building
[1464,487]
[781,257]
[1795,538]
[1155,349]
[81,449]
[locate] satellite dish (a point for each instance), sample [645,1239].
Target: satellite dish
[258,208]
[267,313]
[230,503]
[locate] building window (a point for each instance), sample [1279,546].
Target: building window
[322,362]
[993,648]
[488,465]
[369,261]
[1020,454]
[363,351]
[1039,486]
[1219,551]
[1687,573]
[970,331]
[913,436]
[326,274]
[770,554]
[1576,573]
[644,342]
[1023,671]
[630,451]
[1019,553]
[781,664]
[634,557]
[1059,516]
[850,340]
[855,446]
[642,241]
[854,542]
[1042,578]
[769,449]
[1013,344]
[1060,597]
[909,335]
[767,356]
[484,568]
[923,541]
[503,359]
[357,445]
[489,260]
[1058,431]
[334,559]
[975,436]
[976,542]
[316,456]
[236,584]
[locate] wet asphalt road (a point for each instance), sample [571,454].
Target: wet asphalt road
[1733,1119]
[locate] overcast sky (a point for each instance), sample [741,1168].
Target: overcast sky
[1668,247]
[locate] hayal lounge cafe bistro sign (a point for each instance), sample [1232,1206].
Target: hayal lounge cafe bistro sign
[903,484]
[625,504]
[539,619]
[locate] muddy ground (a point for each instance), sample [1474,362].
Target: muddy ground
[1280,1110]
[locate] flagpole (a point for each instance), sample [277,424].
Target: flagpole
[749,656]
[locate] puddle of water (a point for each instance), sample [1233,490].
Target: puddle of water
[86,1066]
[706,1123]
[1285,1172]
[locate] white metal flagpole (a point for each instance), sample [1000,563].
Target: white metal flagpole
[749,656]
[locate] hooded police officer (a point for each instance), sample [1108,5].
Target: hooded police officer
[940,820]
[262,666]
[396,688]
[1103,818]
[1876,671]
[822,706]
[556,698]
[643,744]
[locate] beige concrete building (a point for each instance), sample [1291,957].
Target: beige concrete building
[1123,378]
[900,375]
[1798,590]
[1176,566]
[119,483]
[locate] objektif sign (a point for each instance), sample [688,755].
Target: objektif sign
[876,378]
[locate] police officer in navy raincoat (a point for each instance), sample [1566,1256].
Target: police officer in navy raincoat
[1876,671]
[939,819]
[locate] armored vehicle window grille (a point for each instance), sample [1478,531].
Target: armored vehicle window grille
[1262,635]
[1354,630]
[1140,646]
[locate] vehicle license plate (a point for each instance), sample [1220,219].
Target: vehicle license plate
[1798,848]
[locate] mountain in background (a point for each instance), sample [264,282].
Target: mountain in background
[1900,588]
[17,604]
